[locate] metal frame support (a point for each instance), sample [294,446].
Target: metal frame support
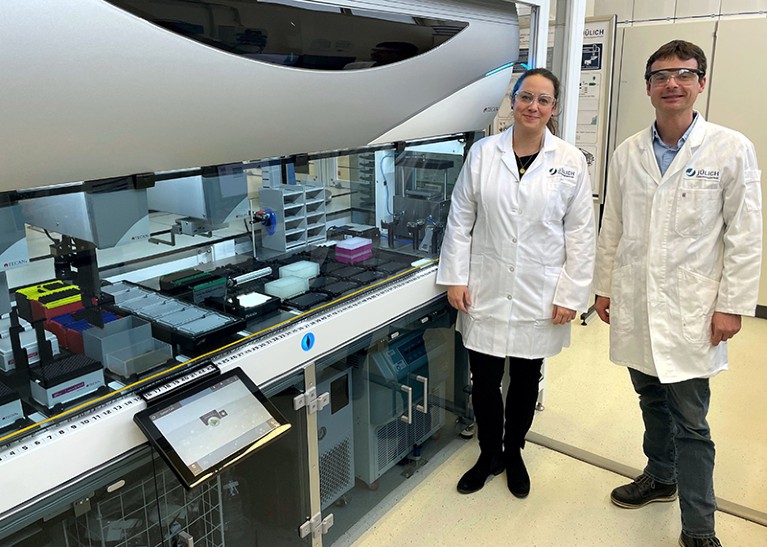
[572,13]
[311,401]
[314,524]
[317,526]
[539,41]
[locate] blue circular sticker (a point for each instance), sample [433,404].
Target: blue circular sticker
[307,342]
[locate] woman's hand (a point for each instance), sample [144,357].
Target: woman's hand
[458,297]
[562,316]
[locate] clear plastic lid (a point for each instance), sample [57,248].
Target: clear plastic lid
[354,243]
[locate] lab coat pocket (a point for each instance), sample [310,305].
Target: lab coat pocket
[697,298]
[623,299]
[550,281]
[477,281]
[558,195]
[534,293]
[696,210]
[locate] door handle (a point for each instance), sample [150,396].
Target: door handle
[424,408]
[408,419]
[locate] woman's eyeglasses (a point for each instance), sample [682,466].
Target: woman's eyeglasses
[680,75]
[527,98]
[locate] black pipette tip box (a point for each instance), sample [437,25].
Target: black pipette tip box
[62,370]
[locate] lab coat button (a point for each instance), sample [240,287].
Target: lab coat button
[513,239]
[511,268]
[508,297]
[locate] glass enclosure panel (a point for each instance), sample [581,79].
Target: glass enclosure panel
[262,500]
[291,33]
[132,279]
[397,397]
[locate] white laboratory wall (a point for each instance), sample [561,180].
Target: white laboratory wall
[743,6]
[696,8]
[629,11]
[654,9]
[737,106]
[623,9]
[639,42]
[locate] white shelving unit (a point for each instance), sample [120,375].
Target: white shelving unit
[314,201]
[300,211]
[288,203]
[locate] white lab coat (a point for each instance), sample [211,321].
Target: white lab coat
[521,246]
[691,240]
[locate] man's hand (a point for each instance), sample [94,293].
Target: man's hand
[561,315]
[724,326]
[602,307]
[458,297]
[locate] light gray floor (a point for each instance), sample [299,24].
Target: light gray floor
[591,407]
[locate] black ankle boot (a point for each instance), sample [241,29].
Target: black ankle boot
[517,478]
[474,479]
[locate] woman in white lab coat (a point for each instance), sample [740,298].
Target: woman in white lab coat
[517,260]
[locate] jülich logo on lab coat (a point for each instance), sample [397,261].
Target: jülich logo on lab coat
[710,174]
[562,172]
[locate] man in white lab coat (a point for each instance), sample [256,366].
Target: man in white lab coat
[678,263]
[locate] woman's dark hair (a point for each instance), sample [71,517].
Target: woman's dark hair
[546,73]
[680,49]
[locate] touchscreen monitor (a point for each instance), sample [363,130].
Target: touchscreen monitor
[211,425]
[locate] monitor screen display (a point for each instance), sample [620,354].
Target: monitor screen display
[206,427]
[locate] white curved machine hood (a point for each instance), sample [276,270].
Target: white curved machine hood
[93,91]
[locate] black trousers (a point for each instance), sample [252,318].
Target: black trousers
[486,397]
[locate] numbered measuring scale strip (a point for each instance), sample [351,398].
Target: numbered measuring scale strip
[60,430]
[17,414]
[55,431]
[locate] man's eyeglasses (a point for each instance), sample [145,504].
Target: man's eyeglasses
[680,75]
[527,98]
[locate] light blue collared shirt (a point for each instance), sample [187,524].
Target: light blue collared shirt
[665,154]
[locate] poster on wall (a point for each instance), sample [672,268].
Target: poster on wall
[594,97]
[594,93]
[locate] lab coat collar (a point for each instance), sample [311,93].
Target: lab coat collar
[650,162]
[694,140]
[508,159]
[698,132]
